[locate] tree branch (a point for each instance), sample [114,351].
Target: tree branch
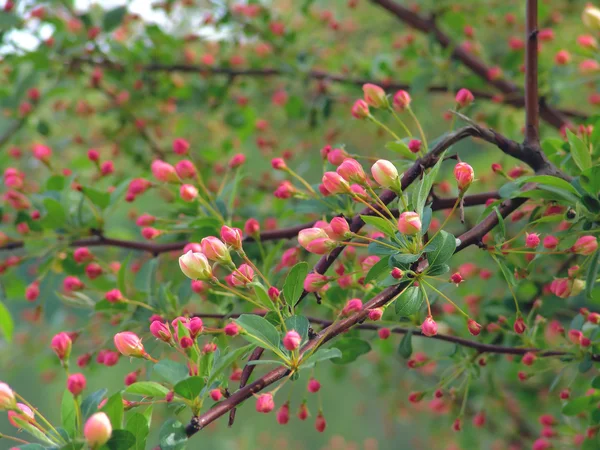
[551,115]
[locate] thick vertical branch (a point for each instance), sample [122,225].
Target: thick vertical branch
[532,107]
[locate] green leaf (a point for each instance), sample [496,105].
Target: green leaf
[592,274]
[585,364]
[590,180]
[226,361]
[55,216]
[577,406]
[579,151]
[385,226]
[172,435]
[113,18]
[380,268]
[6,323]
[137,425]
[509,275]
[409,302]
[55,183]
[382,248]
[68,413]
[445,245]
[294,283]
[100,199]
[262,294]
[401,148]
[322,354]
[403,259]
[148,389]
[300,324]
[438,269]
[90,404]
[420,195]
[596,382]
[405,348]
[189,388]
[121,440]
[351,349]
[549,180]
[501,224]
[114,410]
[259,331]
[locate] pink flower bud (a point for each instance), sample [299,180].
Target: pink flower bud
[97,430]
[401,100]
[352,306]
[237,161]
[93,155]
[360,109]
[278,164]
[242,276]
[519,326]
[195,326]
[42,153]
[113,296]
[396,273]
[185,169]
[215,250]
[528,358]
[473,327]
[186,342]
[163,171]
[82,254]
[273,293]
[106,168]
[32,292]
[180,146]
[415,397]
[26,414]
[585,245]
[565,287]
[464,98]
[150,233]
[129,344]
[232,236]
[457,425]
[532,240]
[145,220]
[61,343]
[375,314]
[352,171]
[76,383]
[593,318]
[334,183]
[385,174]
[188,193]
[313,386]
[292,340]
[195,265]
[374,96]
[337,156]
[265,403]
[314,282]
[562,58]
[456,278]
[251,227]
[216,394]
[7,397]
[429,327]
[338,229]
[232,329]
[463,173]
[283,414]
[409,223]
[302,411]
[320,423]
[93,270]
[138,186]
[414,145]
[161,331]
[550,242]
[195,247]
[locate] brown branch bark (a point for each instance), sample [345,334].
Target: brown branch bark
[551,115]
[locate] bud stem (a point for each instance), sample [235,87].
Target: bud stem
[301,180]
[446,298]
[377,122]
[57,437]
[402,124]
[421,132]
[447,219]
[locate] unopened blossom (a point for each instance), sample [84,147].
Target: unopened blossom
[129,344]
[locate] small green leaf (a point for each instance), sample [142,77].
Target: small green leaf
[592,274]
[294,283]
[550,181]
[509,275]
[405,348]
[409,302]
[380,268]
[262,294]
[382,247]
[68,413]
[351,349]
[577,406]
[401,148]
[259,331]
[55,216]
[6,323]
[596,382]
[579,151]
[172,435]
[225,361]
[114,410]
[90,404]
[147,389]
[385,226]
[501,224]
[113,18]
[420,195]
[323,354]
[300,324]
[121,440]
[438,269]
[100,199]
[590,180]
[189,388]
[445,245]
[137,425]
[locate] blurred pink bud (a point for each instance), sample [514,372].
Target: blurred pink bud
[237,160]
[145,220]
[374,96]
[429,327]
[42,152]
[242,275]
[265,403]
[352,306]
[550,242]
[283,414]
[185,169]
[375,314]
[72,283]
[61,344]
[352,171]
[473,327]
[150,233]
[292,340]
[7,397]
[414,145]
[463,173]
[97,430]
[161,331]
[76,383]
[82,254]
[401,100]
[314,282]
[180,146]
[252,227]
[532,240]
[464,97]
[113,296]
[188,193]
[163,171]
[360,109]
[585,245]
[32,291]
[409,223]
[519,326]
[129,344]
[232,329]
